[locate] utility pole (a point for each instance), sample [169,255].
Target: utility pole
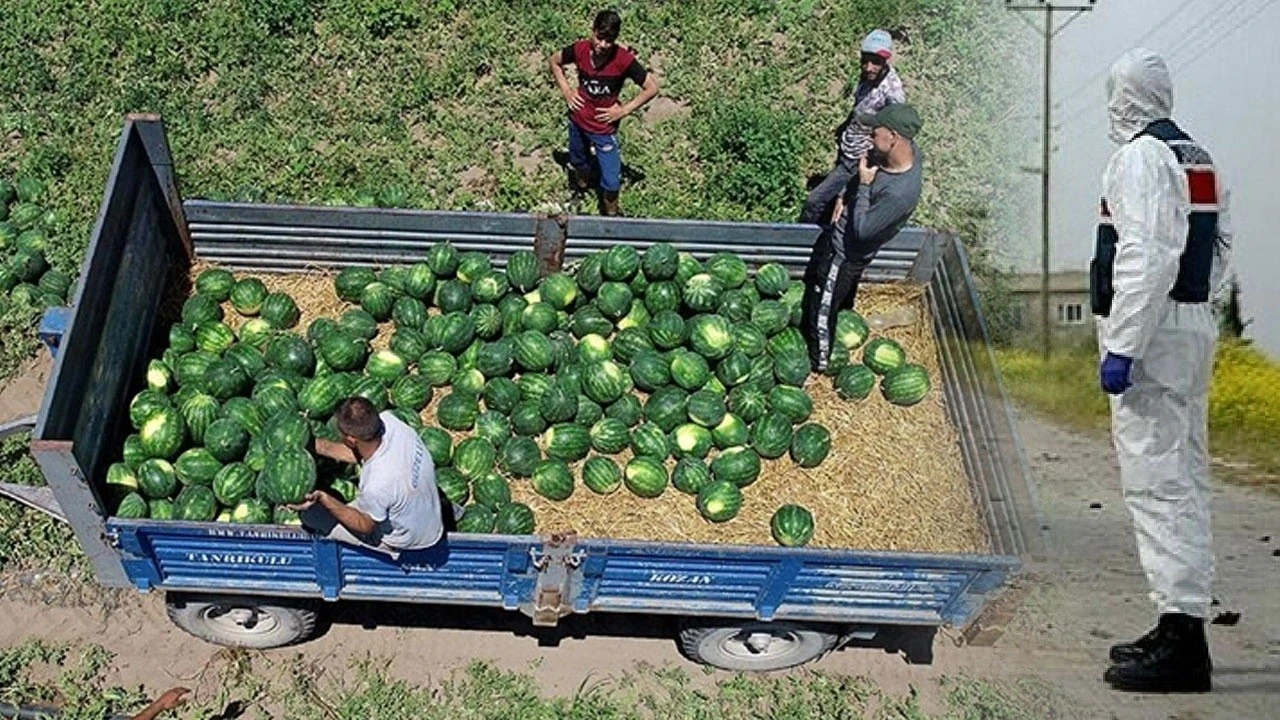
[1048,8]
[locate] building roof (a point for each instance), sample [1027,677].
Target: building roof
[1061,281]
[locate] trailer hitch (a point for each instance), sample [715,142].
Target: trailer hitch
[551,592]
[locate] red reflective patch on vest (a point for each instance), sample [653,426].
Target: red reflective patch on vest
[1203,187]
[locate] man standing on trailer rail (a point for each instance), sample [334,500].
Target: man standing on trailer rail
[398,507]
[878,87]
[1162,248]
[594,113]
[890,180]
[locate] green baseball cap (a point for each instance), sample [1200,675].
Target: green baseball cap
[899,117]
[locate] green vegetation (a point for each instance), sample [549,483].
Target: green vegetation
[299,690]
[1244,409]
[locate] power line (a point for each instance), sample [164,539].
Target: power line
[1230,31]
[1188,41]
[1071,95]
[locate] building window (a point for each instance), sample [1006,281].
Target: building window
[1070,314]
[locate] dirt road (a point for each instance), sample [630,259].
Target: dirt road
[1059,639]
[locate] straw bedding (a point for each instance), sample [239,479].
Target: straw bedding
[894,479]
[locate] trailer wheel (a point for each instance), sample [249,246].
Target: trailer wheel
[755,646]
[242,621]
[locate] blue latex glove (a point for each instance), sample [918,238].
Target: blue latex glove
[1115,373]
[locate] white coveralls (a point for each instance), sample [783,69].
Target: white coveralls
[1159,425]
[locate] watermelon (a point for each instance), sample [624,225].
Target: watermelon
[558,405]
[662,296]
[182,339]
[519,456]
[690,440]
[190,368]
[792,526]
[491,490]
[419,281]
[474,457]
[730,431]
[589,275]
[589,321]
[467,381]
[855,382]
[789,341]
[145,404]
[691,475]
[883,355]
[728,268]
[660,262]
[437,368]
[667,407]
[458,411]
[810,445]
[702,293]
[533,386]
[738,465]
[771,316]
[621,262]
[157,479]
[161,509]
[132,453]
[248,358]
[201,309]
[216,283]
[163,433]
[291,354]
[226,440]
[710,336]
[719,501]
[838,360]
[649,371]
[690,370]
[772,280]
[371,389]
[594,348]
[442,258]
[198,412]
[792,369]
[351,282]
[286,431]
[851,329]
[495,358]
[567,441]
[905,385]
[609,436]
[411,392]
[522,270]
[667,330]
[558,289]
[527,420]
[589,412]
[627,409]
[289,475]
[386,367]
[272,401]
[282,515]
[359,323]
[539,317]
[196,466]
[409,313]
[233,483]
[489,287]
[132,507]
[195,503]
[614,300]
[791,403]
[472,265]
[453,485]
[319,397]
[280,310]
[55,283]
[649,439]
[762,373]
[251,511]
[629,342]
[225,379]
[734,369]
[771,435]
[159,377]
[605,382]
[256,333]
[457,332]
[645,477]
[601,475]
[706,408]
[378,299]
[553,480]
[735,306]
[477,519]
[487,320]
[121,479]
[453,296]
[514,519]
[687,267]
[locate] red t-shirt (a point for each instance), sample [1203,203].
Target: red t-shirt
[599,85]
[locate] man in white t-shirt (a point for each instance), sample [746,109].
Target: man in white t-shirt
[398,506]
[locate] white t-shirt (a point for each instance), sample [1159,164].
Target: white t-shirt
[398,488]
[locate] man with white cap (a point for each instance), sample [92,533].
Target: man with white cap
[1163,244]
[878,86]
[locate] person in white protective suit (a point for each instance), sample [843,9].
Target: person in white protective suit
[1162,248]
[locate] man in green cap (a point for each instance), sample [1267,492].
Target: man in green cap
[888,189]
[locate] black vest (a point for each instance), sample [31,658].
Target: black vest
[1192,285]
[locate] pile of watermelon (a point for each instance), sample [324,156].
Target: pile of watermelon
[633,370]
[26,279]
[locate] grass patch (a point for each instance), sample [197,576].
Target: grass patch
[1244,408]
[73,680]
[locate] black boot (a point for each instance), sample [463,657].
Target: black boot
[1130,651]
[1177,660]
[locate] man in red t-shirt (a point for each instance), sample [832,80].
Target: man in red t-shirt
[603,66]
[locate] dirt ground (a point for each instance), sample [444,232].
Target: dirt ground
[1058,639]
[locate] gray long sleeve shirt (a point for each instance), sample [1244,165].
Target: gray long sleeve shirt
[881,209]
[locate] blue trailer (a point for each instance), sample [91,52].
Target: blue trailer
[731,606]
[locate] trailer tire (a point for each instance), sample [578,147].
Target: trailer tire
[753,645]
[242,620]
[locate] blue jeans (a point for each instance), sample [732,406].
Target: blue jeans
[607,153]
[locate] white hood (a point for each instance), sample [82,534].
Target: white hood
[1139,92]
